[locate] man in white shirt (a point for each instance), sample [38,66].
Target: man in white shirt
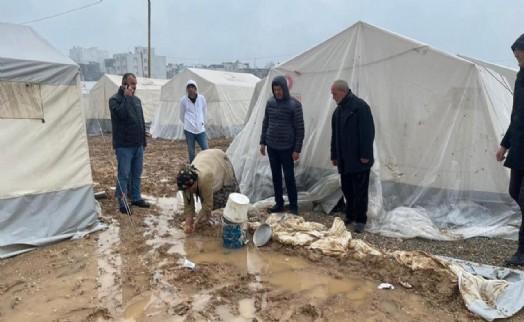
[193,112]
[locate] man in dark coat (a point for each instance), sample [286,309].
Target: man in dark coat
[514,142]
[283,134]
[129,141]
[352,135]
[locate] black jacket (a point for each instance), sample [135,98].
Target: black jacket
[283,125]
[514,138]
[127,120]
[352,135]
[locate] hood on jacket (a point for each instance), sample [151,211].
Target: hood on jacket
[518,44]
[282,82]
[191,82]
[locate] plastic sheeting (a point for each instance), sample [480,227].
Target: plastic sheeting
[98,116]
[46,188]
[227,95]
[510,75]
[438,118]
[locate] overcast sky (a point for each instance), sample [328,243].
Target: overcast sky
[256,32]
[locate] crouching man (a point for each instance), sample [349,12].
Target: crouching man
[211,178]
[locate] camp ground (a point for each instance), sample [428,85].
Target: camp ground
[46,190]
[98,117]
[227,95]
[441,223]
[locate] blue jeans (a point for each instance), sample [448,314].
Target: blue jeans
[130,165]
[201,138]
[278,161]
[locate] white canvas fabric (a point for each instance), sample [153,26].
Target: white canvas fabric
[85,88]
[438,118]
[99,116]
[27,57]
[47,189]
[227,94]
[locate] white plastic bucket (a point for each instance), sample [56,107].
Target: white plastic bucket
[236,208]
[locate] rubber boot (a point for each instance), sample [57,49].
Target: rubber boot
[517,259]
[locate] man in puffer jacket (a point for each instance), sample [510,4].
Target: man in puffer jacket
[282,134]
[129,141]
[514,142]
[193,112]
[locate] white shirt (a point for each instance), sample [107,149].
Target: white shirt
[193,115]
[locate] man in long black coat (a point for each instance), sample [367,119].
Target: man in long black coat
[352,135]
[514,142]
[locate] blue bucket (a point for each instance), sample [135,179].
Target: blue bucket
[233,235]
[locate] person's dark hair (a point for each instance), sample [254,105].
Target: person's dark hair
[126,76]
[186,177]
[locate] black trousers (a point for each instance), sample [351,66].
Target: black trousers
[278,161]
[355,189]
[516,191]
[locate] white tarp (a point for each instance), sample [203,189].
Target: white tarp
[438,118]
[98,117]
[254,97]
[509,74]
[227,95]
[46,190]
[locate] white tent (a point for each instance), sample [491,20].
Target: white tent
[254,97]
[227,95]
[509,74]
[438,118]
[99,117]
[85,88]
[46,190]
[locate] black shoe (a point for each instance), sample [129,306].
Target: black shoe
[275,208]
[123,210]
[359,227]
[348,221]
[141,203]
[517,259]
[293,210]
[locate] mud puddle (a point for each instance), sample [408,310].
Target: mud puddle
[221,271]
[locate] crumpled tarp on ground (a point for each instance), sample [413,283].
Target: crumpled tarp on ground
[486,292]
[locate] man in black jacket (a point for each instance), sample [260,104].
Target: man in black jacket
[129,141]
[514,142]
[352,135]
[283,134]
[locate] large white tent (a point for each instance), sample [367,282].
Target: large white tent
[46,189]
[99,116]
[438,118]
[227,95]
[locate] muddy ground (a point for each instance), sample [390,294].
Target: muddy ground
[133,270]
